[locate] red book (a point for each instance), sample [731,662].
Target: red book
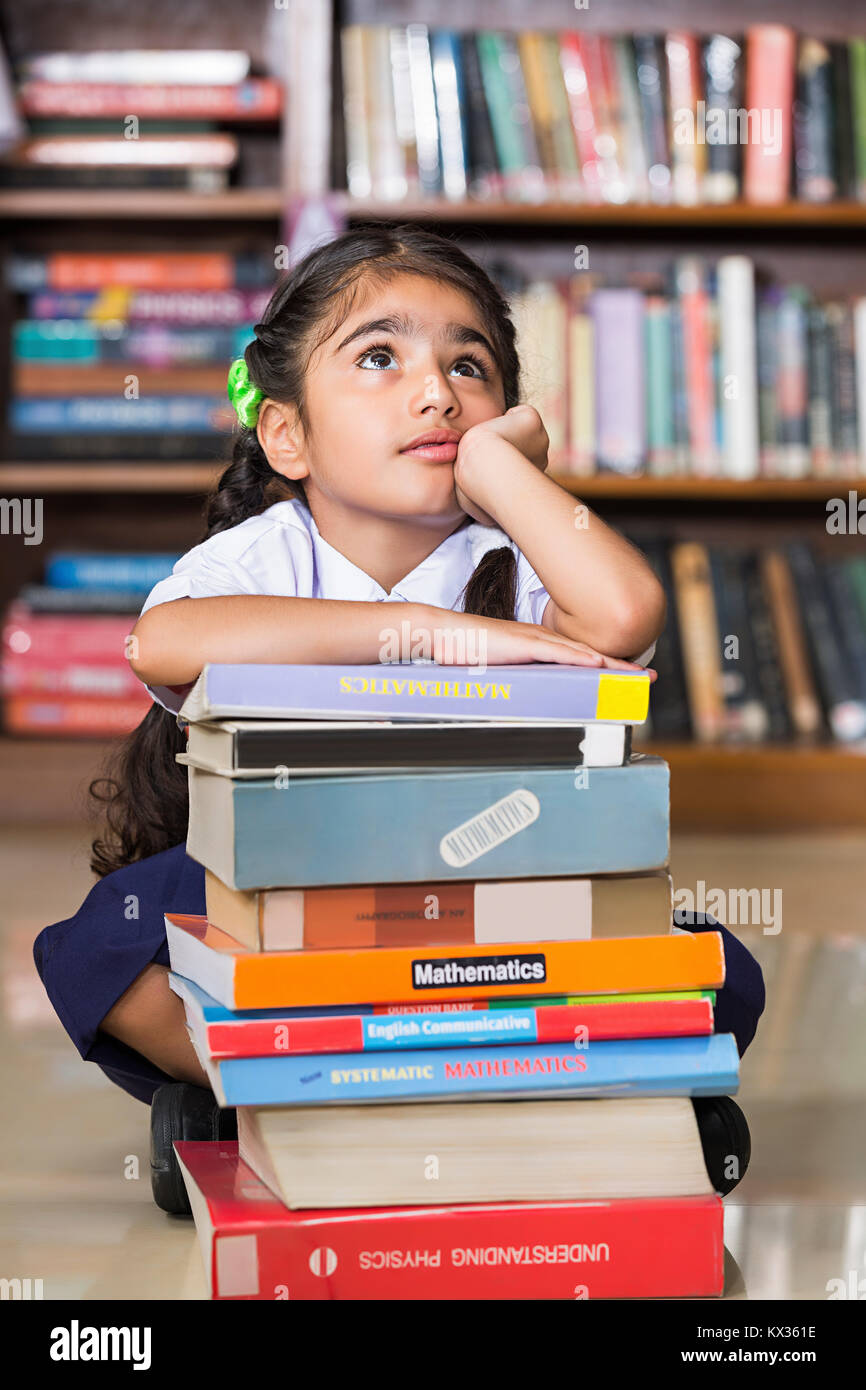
[255,1248]
[50,641]
[770,61]
[580,103]
[698,358]
[275,1037]
[89,717]
[258,99]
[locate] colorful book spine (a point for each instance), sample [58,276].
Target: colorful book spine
[183,270]
[738,367]
[567,909]
[52,340]
[535,822]
[51,415]
[255,99]
[770,65]
[397,1032]
[681,1066]
[537,690]
[722,62]
[82,715]
[88,570]
[254,1247]
[620,392]
[241,979]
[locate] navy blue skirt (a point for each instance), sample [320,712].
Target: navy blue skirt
[89,960]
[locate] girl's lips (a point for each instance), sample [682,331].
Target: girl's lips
[437,453]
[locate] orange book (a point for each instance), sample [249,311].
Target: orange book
[104,378]
[185,270]
[240,979]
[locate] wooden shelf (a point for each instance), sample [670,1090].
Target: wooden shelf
[110,477]
[142,203]
[636,215]
[763,787]
[685,488]
[134,476]
[269,203]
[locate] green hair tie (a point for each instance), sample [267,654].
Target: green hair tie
[244,396]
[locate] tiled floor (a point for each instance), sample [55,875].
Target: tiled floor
[75,1204]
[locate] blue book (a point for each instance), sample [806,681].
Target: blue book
[691,1066]
[83,569]
[411,827]
[535,691]
[37,414]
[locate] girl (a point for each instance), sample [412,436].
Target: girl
[383,458]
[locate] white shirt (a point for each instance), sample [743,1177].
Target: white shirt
[280,552]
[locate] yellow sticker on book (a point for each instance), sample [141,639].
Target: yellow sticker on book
[624,698]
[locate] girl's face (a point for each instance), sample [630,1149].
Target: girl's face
[388,396]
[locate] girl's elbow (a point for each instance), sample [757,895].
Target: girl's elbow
[641,620]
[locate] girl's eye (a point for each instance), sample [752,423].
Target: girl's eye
[379,358]
[476,366]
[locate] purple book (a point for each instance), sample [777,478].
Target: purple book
[535,692]
[620,425]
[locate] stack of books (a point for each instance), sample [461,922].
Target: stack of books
[123,355]
[450,885]
[65,660]
[145,118]
[580,117]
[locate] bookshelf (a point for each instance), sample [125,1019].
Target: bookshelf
[132,504]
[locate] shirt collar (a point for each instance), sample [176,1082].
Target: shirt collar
[439,579]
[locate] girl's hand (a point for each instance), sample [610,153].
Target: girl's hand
[509,643]
[520,426]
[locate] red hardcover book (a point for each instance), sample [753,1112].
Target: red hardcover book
[582,113]
[255,1248]
[258,99]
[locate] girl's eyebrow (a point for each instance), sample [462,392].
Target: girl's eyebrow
[406,326]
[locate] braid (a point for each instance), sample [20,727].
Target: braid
[247,487]
[491,590]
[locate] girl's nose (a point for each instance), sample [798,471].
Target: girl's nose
[434,394]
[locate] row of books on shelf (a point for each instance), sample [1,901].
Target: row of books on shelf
[538,994]
[151,118]
[695,371]
[760,645]
[579,117]
[689,370]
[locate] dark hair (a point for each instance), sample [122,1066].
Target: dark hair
[144,790]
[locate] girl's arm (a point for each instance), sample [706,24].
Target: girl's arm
[602,590]
[173,640]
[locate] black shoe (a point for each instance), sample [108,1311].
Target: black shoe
[725,1138]
[180,1110]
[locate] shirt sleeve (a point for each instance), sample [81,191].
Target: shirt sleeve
[207,571]
[532,597]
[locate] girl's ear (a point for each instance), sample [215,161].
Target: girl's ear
[281,436]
